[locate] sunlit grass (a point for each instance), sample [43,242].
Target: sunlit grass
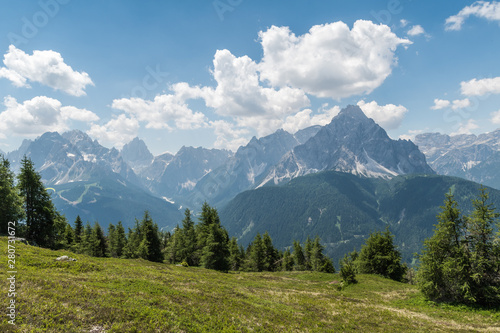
[140,296]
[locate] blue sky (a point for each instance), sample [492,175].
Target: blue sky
[216,73]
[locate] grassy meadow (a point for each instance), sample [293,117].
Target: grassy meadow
[118,295]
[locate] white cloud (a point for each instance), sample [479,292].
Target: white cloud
[304,119]
[227,136]
[416,30]
[495,117]
[45,67]
[116,132]
[161,112]
[460,103]
[440,104]
[388,116]
[456,104]
[403,23]
[39,115]
[466,128]
[480,87]
[330,60]
[483,9]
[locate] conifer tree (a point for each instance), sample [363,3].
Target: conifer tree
[380,256]
[151,239]
[287,261]
[120,239]
[78,229]
[319,262]
[270,253]
[189,241]
[98,246]
[236,255]
[215,254]
[172,252]
[39,210]
[112,241]
[308,246]
[256,258]
[86,244]
[298,257]
[11,209]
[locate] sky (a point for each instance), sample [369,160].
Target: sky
[216,73]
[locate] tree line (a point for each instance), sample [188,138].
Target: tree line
[460,263]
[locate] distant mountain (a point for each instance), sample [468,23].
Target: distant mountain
[137,155]
[351,143]
[343,209]
[472,157]
[249,163]
[174,177]
[90,180]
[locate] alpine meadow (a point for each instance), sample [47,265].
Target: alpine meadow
[237,166]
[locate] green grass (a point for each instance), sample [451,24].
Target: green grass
[139,296]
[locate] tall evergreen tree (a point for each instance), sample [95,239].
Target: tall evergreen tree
[236,255]
[215,254]
[11,209]
[78,229]
[270,253]
[120,239]
[189,242]
[298,257]
[151,237]
[40,212]
[308,246]
[319,262]
[98,246]
[287,261]
[86,243]
[112,241]
[256,258]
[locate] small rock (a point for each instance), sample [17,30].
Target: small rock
[65,258]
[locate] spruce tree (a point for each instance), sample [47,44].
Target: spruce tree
[112,241]
[78,229]
[308,246]
[98,246]
[236,255]
[256,258]
[270,253]
[287,261]
[189,242]
[320,262]
[11,209]
[298,257]
[215,254]
[86,243]
[40,212]
[151,239]
[380,256]
[120,239]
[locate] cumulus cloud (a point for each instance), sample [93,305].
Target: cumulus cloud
[495,117]
[440,104]
[45,67]
[305,118]
[388,116]
[466,128]
[403,23]
[480,87]
[228,137]
[416,30]
[482,9]
[330,60]
[456,104]
[411,135]
[39,115]
[116,132]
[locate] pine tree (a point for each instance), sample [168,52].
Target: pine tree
[151,239]
[298,257]
[98,246]
[287,261]
[189,242]
[380,256]
[120,239]
[308,253]
[347,268]
[270,253]
[134,239]
[86,243]
[319,262]
[78,229]
[236,255]
[215,254]
[172,252]
[112,241]
[40,212]
[11,209]
[68,237]
[256,258]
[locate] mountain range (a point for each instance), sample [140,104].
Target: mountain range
[340,181]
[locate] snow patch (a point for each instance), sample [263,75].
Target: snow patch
[189,184]
[168,200]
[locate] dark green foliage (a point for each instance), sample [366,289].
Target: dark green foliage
[120,240]
[188,241]
[236,255]
[11,209]
[287,261]
[256,255]
[460,263]
[270,254]
[298,257]
[348,268]
[151,239]
[85,246]
[78,229]
[215,254]
[98,247]
[318,261]
[380,256]
[40,212]
[173,249]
